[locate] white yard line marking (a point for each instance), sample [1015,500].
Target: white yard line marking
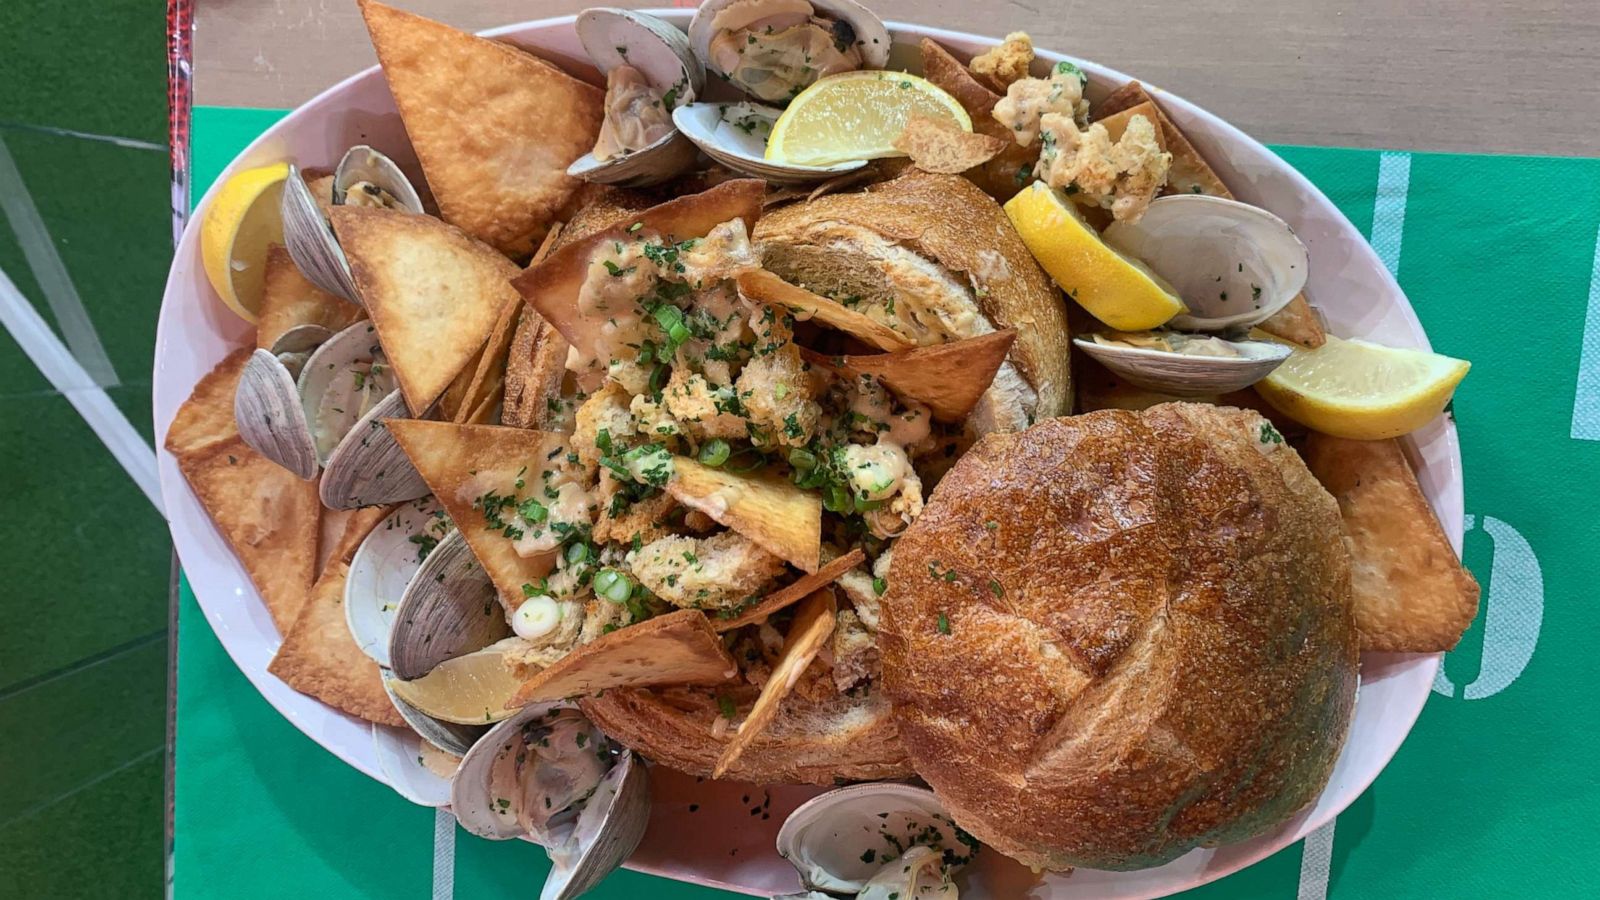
[1316,863]
[444,855]
[59,367]
[1389,208]
[1586,398]
[129,143]
[51,273]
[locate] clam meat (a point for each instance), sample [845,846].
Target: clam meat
[774,49]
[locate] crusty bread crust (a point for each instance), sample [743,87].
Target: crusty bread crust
[1118,636]
[947,219]
[810,742]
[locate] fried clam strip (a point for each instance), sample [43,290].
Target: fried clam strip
[553,286]
[808,633]
[675,648]
[781,518]
[474,472]
[949,379]
[1190,173]
[794,592]
[765,287]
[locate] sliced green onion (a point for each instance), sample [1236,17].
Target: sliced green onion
[658,377]
[647,353]
[836,499]
[879,585]
[533,511]
[602,439]
[715,452]
[668,317]
[867,505]
[679,333]
[801,458]
[613,585]
[577,553]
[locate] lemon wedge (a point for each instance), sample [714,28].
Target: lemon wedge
[1116,289]
[856,115]
[468,690]
[240,223]
[1364,391]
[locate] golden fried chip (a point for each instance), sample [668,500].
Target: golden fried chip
[434,293]
[320,659]
[676,648]
[948,378]
[1007,173]
[552,286]
[1191,174]
[940,145]
[1411,593]
[1117,123]
[289,300]
[812,626]
[462,465]
[792,593]
[493,126]
[268,516]
[778,516]
[206,418]
[764,287]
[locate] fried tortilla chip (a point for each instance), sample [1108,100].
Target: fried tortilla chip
[206,418]
[948,378]
[320,659]
[288,300]
[1117,123]
[464,463]
[1008,172]
[812,626]
[552,287]
[779,517]
[484,378]
[434,293]
[1191,174]
[343,530]
[764,287]
[493,126]
[940,145]
[792,593]
[268,516]
[1411,593]
[676,648]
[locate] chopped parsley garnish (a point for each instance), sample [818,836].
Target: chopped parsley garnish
[1269,434]
[944,624]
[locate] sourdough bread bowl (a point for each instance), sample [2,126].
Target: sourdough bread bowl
[1112,638]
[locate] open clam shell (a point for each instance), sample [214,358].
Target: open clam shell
[735,134]
[828,838]
[660,52]
[382,568]
[1233,264]
[586,840]
[452,738]
[306,231]
[400,759]
[1188,375]
[853,25]
[448,609]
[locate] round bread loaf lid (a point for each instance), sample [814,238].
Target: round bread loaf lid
[1115,637]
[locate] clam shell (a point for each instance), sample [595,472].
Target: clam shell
[310,240]
[587,846]
[368,468]
[306,232]
[1187,375]
[362,163]
[399,759]
[381,569]
[871,34]
[447,736]
[266,408]
[1233,264]
[743,152]
[449,608]
[825,838]
[615,37]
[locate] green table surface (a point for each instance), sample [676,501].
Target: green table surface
[1494,793]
